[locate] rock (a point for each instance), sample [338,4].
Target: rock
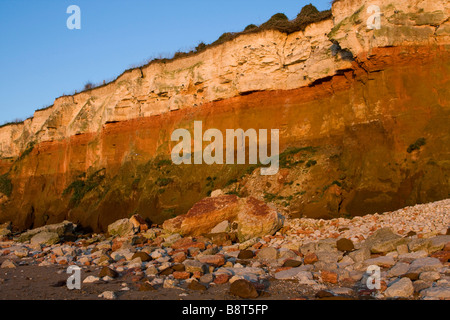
[436,293]
[291,263]
[151,270]
[420,285]
[179,257]
[402,249]
[221,279]
[206,278]
[108,272]
[222,239]
[62,229]
[310,247]
[443,256]
[223,226]
[254,217]
[214,260]
[146,286]
[286,254]
[412,276]
[360,254]
[438,243]
[267,253]
[216,193]
[204,216]
[181,275]
[345,245]
[241,271]
[343,291]
[419,244]
[310,258]
[324,294]
[91,279]
[384,240]
[170,283]
[424,264]
[399,269]
[329,277]
[109,295]
[5,229]
[257,219]
[248,243]
[243,289]
[166,271]
[245,254]
[121,228]
[195,285]
[21,252]
[304,277]
[8,264]
[383,261]
[402,288]
[139,223]
[141,255]
[193,266]
[430,276]
[45,238]
[410,257]
[388,246]
[329,256]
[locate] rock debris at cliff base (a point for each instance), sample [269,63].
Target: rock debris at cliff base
[305,259]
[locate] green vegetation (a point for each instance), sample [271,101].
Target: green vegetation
[286,157]
[5,184]
[27,151]
[81,186]
[416,145]
[230,182]
[163,163]
[311,163]
[15,121]
[250,27]
[162,182]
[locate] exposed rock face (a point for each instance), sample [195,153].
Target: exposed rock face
[253,217]
[357,98]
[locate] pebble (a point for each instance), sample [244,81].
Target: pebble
[91,279]
[109,295]
[243,289]
[321,254]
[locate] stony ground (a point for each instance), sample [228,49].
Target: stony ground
[306,259]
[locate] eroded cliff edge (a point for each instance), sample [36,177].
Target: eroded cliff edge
[363,118]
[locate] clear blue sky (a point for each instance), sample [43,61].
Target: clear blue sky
[41,59]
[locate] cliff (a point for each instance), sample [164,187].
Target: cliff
[363,117]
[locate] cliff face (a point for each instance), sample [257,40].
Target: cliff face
[363,118]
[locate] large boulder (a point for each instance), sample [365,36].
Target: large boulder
[45,238]
[61,229]
[253,217]
[122,227]
[384,240]
[257,219]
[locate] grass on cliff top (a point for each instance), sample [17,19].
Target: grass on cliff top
[308,15]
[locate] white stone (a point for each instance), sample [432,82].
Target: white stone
[91,279]
[109,295]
